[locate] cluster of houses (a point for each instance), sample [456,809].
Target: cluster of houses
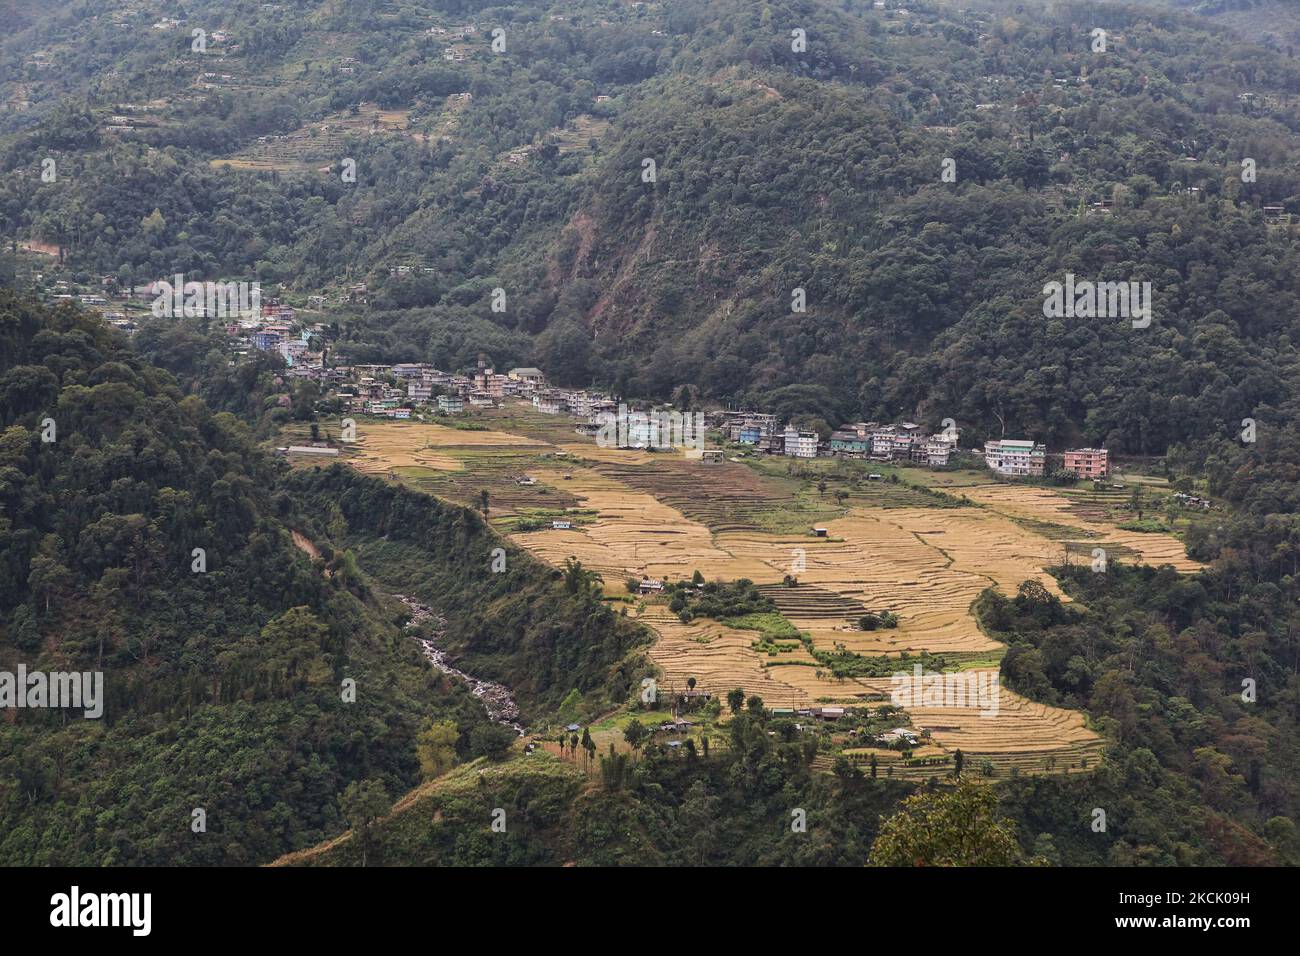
[879,442]
[369,388]
[907,442]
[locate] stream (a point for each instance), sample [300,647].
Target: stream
[497,699]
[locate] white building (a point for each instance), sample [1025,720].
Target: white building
[939,449]
[800,444]
[1016,457]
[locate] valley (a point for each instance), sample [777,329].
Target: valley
[633,515]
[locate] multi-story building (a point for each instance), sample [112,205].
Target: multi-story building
[750,428]
[409,371]
[893,441]
[293,350]
[1016,457]
[266,340]
[846,442]
[800,444]
[1087,462]
[451,404]
[939,449]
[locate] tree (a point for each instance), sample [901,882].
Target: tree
[362,804]
[483,501]
[735,699]
[579,580]
[613,769]
[435,747]
[588,745]
[49,579]
[958,761]
[492,740]
[635,734]
[955,828]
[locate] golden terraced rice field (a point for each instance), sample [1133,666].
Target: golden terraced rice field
[664,516]
[1045,504]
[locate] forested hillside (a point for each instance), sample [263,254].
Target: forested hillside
[152,540]
[774,170]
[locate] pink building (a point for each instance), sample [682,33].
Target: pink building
[1087,462]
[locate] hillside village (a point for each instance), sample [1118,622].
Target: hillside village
[402,391]
[405,390]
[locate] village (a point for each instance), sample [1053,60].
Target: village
[410,390]
[404,391]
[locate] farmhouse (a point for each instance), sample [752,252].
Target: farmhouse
[824,713]
[650,586]
[560,525]
[904,734]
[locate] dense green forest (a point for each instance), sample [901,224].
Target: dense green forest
[224,686]
[539,631]
[775,170]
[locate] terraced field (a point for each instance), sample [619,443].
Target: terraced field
[1090,513]
[888,546]
[635,534]
[726,497]
[318,146]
